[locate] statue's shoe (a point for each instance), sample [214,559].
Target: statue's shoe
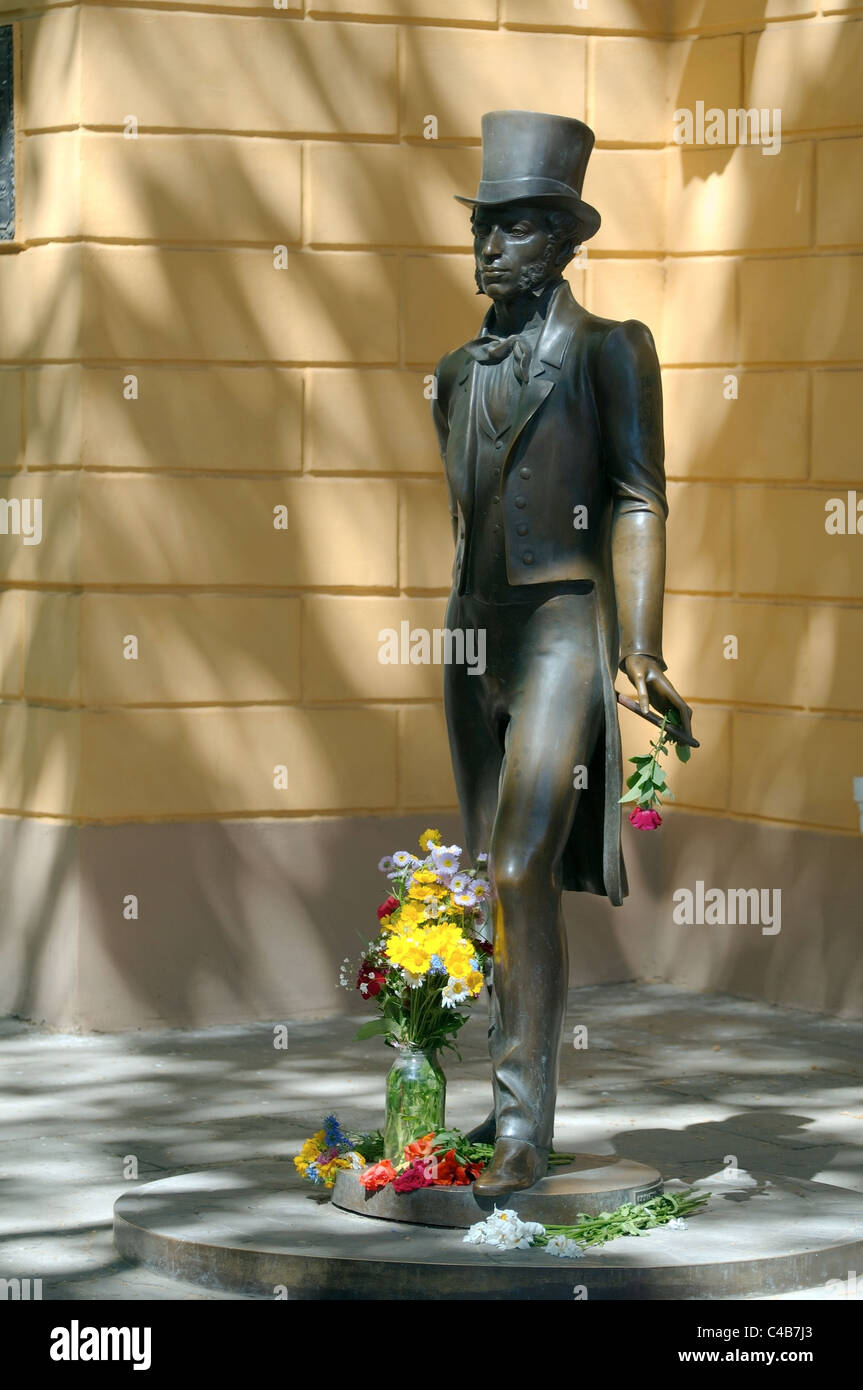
[515,1165]
[484,1133]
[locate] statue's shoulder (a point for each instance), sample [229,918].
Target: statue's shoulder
[621,334]
[449,368]
[615,342]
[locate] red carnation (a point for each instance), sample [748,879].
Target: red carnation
[386,909]
[377,1176]
[450,1172]
[371,979]
[645,820]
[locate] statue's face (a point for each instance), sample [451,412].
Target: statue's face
[514,250]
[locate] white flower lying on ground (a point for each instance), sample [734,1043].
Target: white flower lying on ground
[676,1223]
[567,1249]
[504,1230]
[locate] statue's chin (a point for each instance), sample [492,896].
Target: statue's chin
[499,292]
[505,289]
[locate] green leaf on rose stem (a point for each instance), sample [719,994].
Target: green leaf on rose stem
[673,717]
[683,751]
[373,1029]
[631,795]
[633,779]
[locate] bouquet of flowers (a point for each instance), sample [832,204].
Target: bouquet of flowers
[433,950]
[438,1159]
[329,1150]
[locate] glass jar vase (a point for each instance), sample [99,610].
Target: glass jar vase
[416,1098]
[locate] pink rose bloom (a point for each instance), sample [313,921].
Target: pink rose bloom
[645,820]
[413,1177]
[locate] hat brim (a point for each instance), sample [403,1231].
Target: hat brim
[587,217]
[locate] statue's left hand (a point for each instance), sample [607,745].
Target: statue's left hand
[654,688]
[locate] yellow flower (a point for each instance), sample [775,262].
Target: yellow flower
[413,955]
[312,1147]
[457,963]
[310,1150]
[474,981]
[442,938]
[425,893]
[329,1171]
[429,838]
[424,876]
[406,919]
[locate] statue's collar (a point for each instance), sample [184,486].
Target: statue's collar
[556,327]
[540,310]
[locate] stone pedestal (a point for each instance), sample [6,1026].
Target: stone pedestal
[590,1185]
[255,1229]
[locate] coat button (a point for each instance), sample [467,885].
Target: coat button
[521,529]
[521,502]
[524,472]
[527,557]
[499,444]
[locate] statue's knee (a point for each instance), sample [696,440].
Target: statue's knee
[518,872]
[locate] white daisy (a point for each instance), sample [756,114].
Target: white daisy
[446,858]
[454,992]
[464,899]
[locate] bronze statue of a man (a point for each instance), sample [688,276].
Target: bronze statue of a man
[550,428]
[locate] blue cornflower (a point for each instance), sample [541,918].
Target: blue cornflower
[333,1135]
[312,1172]
[437,966]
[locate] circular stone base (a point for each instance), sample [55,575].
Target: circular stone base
[590,1185]
[255,1229]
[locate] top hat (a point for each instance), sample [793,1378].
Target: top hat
[530,156]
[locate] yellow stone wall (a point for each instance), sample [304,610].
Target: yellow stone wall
[258,387]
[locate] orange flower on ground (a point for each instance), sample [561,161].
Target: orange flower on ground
[378,1175]
[451,1173]
[420,1148]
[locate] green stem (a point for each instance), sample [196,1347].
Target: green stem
[658,747]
